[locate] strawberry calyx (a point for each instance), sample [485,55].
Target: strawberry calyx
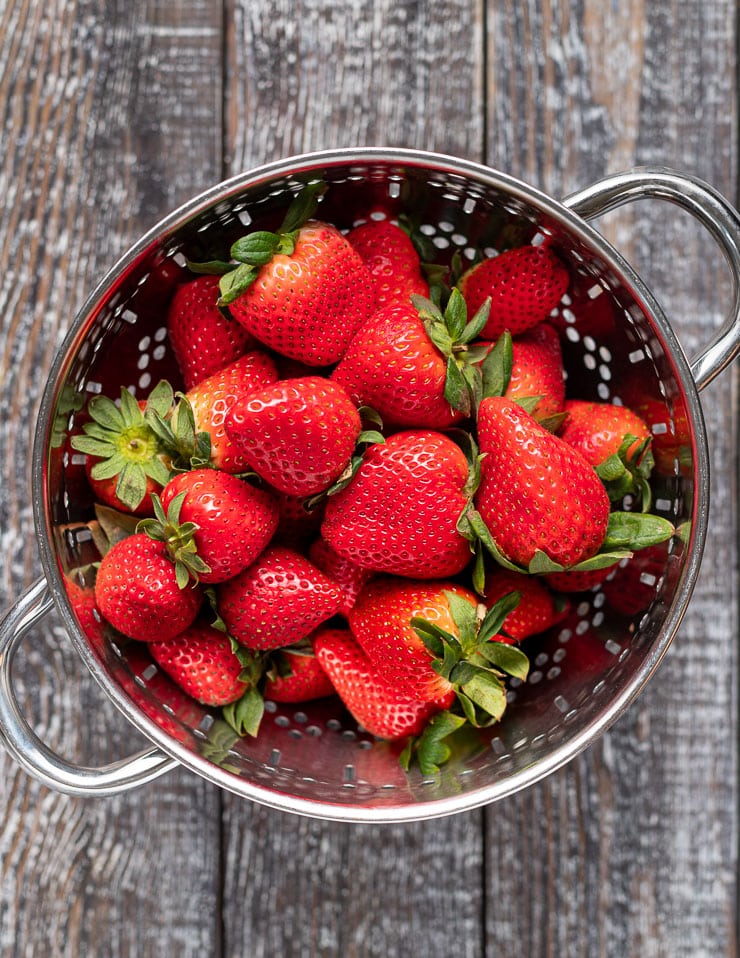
[179,538]
[370,436]
[120,437]
[476,664]
[454,334]
[186,447]
[251,252]
[627,472]
[627,533]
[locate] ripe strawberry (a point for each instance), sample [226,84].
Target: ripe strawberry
[350,578]
[304,290]
[537,370]
[297,434]
[399,513]
[203,338]
[392,260]
[212,398]
[126,459]
[201,661]
[298,677]
[615,441]
[415,365]
[524,284]
[426,640]
[537,493]
[278,600]
[298,526]
[582,580]
[213,523]
[376,706]
[136,590]
[82,600]
[538,608]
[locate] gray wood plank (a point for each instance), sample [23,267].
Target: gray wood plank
[107,124]
[311,76]
[631,850]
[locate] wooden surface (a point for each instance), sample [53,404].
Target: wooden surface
[112,114]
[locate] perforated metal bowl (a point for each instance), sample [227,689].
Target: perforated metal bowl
[619,346]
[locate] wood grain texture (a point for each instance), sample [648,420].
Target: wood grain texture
[634,847]
[91,100]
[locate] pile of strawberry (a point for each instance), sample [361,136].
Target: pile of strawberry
[373,483]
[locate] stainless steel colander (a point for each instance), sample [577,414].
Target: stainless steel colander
[618,346]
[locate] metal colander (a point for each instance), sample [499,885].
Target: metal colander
[618,346]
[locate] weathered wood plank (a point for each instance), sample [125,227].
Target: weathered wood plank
[107,124]
[307,77]
[631,850]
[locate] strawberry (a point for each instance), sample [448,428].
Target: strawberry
[126,459]
[298,676]
[524,284]
[399,513]
[137,591]
[82,599]
[635,583]
[212,398]
[350,578]
[578,580]
[426,640]
[414,365]
[379,708]
[203,337]
[537,494]
[537,370]
[213,523]
[538,608]
[392,260]
[298,525]
[303,291]
[297,434]
[202,662]
[278,600]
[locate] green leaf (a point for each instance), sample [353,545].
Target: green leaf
[160,399]
[477,324]
[213,267]
[105,412]
[496,367]
[542,564]
[100,448]
[488,693]
[131,484]
[465,617]
[456,390]
[433,636]
[255,249]
[431,749]
[480,532]
[636,530]
[130,409]
[236,282]
[303,207]
[456,315]
[611,468]
[507,658]
[108,468]
[245,715]
[495,617]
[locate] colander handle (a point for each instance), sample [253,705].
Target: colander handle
[28,749]
[710,208]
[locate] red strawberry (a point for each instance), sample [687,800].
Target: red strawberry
[82,600]
[308,301]
[578,580]
[351,578]
[538,608]
[412,363]
[379,708]
[524,284]
[635,584]
[598,429]
[426,640]
[203,338]
[537,493]
[212,398]
[126,459]
[537,370]
[297,434]
[392,260]
[615,441]
[223,520]
[280,599]
[298,526]
[136,590]
[399,513]
[201,661]
[300,677]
